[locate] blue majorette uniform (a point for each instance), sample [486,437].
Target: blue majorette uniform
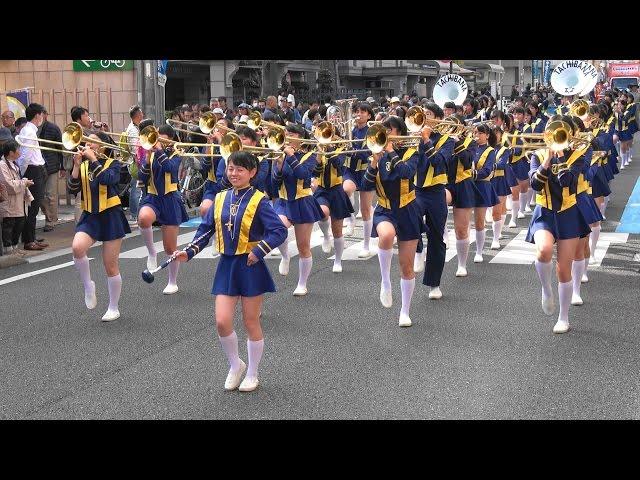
[329,171]
[556,205]
[630,118]
[430,181]
[622,127]
[519,162]
[210,167]
[598,172]
[102,216]
[538,124]
[610,128]
[243,221]
[160,174]
[586,204]
[484,159]
[393,181]
[295,199]
[357,164]
[464,192]
[499,179]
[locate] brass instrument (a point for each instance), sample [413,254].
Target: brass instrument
[416,119]
[72,136]
[150,135]
[231,143]
[169,122]
[579,108]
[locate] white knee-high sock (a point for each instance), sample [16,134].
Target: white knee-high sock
[544,274]
[577,267]
[284,249]
[593,239]
[385,257]
[462,250]
[509,202]
[254,352]
[496,227]
[230,347]
[115,287]
[480,236]
[565,290]
[529,196]
[522,202]
[82,264]
[406,287]
[367,226]
[304,267]
[324,227]
[603,208]
[173,272]
[147,235]
[503,217]
[338,244]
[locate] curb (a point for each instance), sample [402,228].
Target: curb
[7,261]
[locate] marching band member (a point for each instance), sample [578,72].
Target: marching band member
[605,136]
[537,124]
[505,123]
[353,173]
[162,203]
[333,201]
[397,214]
[500,186]
[623,132]
[246,228]
[464,194]
[435,151]
[484,160]
[296,204]
[470,109]
[520,168]
[102,219]
[212,184]
[556,219]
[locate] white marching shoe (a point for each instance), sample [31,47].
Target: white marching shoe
[348,229]
[111,315]
[404,321]
[90,299]
[592,260]
[326,244]
[152,262]
[249,384]
[548,304]
[364,253]
[584,278]
[283,268]
[461,272]
[520,214]
[576,300]
[170,289]
[386,297]
[418,262]
[337,268]
[512,223]
[300,291]
[495,245]
[435,293]
[478,258]
[233,378]
[561,327]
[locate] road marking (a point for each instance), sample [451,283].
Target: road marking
[351,252]
[316,239]
[141,252]
[630,219]
[604,241]
[36,272]
[451,251]
[517,252]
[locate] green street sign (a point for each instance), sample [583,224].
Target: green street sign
[100,65]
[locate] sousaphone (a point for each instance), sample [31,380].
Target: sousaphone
[450,88]
[572,77]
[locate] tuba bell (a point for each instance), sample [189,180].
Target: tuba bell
[571,77]
[450,88]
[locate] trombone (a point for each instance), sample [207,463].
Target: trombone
[169,122]
[72,136]
[416,119]
[579,108]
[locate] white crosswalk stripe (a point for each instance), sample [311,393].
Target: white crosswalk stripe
[141,252]
[605,240]
[316,239]
[517,251]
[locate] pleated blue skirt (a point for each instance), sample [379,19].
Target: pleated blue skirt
[110,224]
[487,193]
[465,194]
[235,278]
[304,210]
[501,186]
[588,208]
[562,225]
[521,169]
[169,209]
[407,221]
[512,181]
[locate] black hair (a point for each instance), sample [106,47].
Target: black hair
[577,121]
[533,104]
[296,128]
[435,109]
[399,112]
[107,139]
[277,119]
[499,114]
[228,123]
[459,109]
[145,123]
[484,128]
[168,131]
[222,99]
[243,159]
[473,103]
[510,122]
[32,110]
[365,107]
[8,147]
[449,105]
[77,112]
[245,131]
[594,109]
[518,110]
[20,121]
[323,111]
[519,99]
[397,123]
[312,114]
[569,120]
[133,111]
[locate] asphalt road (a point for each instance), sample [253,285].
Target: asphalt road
[485,351]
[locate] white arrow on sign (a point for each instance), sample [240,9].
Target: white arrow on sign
[86,62]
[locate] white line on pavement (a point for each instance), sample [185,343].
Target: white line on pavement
[35,272]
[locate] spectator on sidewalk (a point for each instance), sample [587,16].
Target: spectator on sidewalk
[20,123]
[54,170]
[19,197]
[136,114]
[8,121]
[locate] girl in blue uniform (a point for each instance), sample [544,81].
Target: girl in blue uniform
[296,204]
[392,172]
[464,195]
[435,151]
[162,203]
[505,123]
[212,185]
[484,159]
[353,173]
[537,124]
[333,201]
[623,132]
[246,228]
[500,186]
[102,220]
[520,167]
[556,219]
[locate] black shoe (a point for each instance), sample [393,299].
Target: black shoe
[48,228]
[39,240]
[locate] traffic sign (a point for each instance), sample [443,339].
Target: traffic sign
[100,65]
